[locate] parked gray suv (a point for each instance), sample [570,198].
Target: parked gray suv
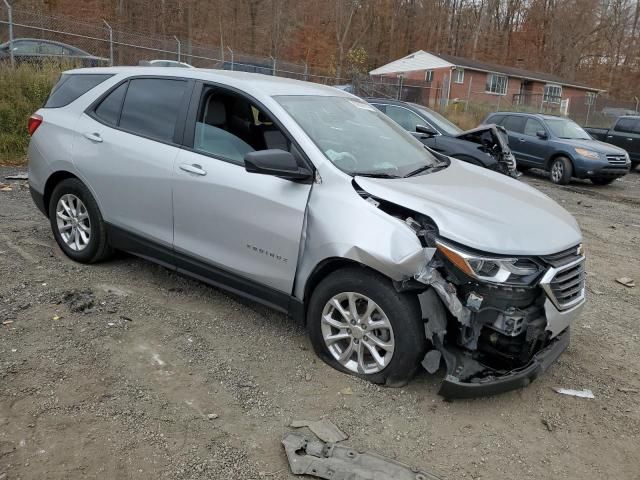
[311,201]
[562,147]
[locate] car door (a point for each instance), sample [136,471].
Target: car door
[535,149]
[626,135]
[126,147]
[514,125]
[231,226]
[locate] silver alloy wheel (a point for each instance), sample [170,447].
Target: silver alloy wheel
[557,171]
[73,222]
[357,333]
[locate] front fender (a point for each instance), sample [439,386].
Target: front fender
[341,224]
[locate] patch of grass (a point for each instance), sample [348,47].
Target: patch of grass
[23,90]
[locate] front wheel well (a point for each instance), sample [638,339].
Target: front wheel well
[52,181]
[325,268]
[557,155]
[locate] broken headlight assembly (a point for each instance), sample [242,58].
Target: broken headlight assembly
[516,271]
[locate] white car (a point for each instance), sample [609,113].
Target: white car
[311,201]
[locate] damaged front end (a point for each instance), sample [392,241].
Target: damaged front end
[497,322]
[493,140]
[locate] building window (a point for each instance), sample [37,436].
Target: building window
[496,84]
[552,93]
[458,75]
[428,76]
[590,98]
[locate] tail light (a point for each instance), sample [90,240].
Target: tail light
[34,122]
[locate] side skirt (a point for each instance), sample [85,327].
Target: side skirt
[167,257]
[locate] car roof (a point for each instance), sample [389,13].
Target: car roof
[249,82]
[52,42]
[542,116]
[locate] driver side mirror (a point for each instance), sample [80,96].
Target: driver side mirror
[542,135]
[277,163]
[427,130]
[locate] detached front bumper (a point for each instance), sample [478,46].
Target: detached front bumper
[453,388]
[500,382]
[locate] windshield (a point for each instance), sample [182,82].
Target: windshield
[567,129]
[443,124]
[356,137]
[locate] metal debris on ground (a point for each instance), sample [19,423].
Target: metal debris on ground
[17,176]
[575,393]
[626,281]
[335,462]
[324,429]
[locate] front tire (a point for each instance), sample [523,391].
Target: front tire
[359,324]
[561,170]
[76,222]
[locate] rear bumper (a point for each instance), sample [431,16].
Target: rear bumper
[38,199]
[454,388]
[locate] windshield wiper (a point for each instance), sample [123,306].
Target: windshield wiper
[426,168]
[375,175]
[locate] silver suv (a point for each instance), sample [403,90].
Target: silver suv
[308,199]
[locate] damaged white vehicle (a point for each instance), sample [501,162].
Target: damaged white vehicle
[309,200]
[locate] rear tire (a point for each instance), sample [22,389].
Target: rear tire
[561,170]
[76,222]
[602,181]
[387,327]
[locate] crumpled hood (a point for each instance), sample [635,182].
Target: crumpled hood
[595,145]
[483,210]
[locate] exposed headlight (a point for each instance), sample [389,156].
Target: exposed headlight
[587,153]
[502,270]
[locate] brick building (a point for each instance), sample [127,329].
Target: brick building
[457,78]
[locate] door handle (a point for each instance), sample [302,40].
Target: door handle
[94,137]
[629,139]
[522,139]
[193,168]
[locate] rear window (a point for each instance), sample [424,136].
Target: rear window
[70,87]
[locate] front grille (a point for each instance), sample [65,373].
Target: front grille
[564,257]
[617,160]
[568,285]
[565,280]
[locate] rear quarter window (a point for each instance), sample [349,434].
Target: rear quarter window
[70,87]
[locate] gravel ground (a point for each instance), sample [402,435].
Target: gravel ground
[113,370]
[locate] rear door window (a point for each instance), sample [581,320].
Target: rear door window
[151,107]
[108,111]
[514,123]
[25,47]
[70,87]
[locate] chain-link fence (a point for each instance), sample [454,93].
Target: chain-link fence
[398,89]
[99,44]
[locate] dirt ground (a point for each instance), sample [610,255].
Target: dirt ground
[118,379]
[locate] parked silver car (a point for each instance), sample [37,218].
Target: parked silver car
[311,201]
